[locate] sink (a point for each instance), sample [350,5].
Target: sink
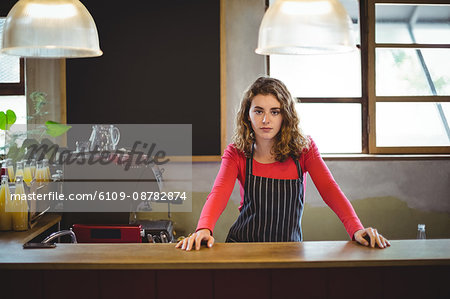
[60,234]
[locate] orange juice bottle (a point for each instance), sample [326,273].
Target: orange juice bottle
[45,166]
[5,217]
[27,176]
[33,168]
[19,207]
[39,176]
[10,167]
[19,169]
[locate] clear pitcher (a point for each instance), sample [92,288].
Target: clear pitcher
[104,138]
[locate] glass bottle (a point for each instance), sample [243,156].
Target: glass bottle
[33,168]
[57,180]
[46,168]
[421,232]
[5,195]
[19,207]
[27,176]
[10,167]
[39,176]
[19,169]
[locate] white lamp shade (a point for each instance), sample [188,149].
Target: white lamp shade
[305,27]
[50,29]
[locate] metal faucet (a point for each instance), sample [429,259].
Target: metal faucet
[60,234]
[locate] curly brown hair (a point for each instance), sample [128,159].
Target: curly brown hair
[290,140]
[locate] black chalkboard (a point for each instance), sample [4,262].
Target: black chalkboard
[161,65]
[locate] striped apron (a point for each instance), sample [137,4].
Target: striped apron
[271,211]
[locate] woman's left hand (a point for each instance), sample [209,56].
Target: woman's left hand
[375,238]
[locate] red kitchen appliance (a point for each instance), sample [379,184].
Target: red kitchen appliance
[122,233]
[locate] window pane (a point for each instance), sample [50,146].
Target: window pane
[319,75]
[336,128]
[9,65]
[406,24]
[412,124]
[16,104]
[403,72]
[438,64]
[392,32]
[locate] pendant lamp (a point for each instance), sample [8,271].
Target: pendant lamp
[305,27]
[50,29]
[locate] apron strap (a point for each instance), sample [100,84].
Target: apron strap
[249,168]
[299,170]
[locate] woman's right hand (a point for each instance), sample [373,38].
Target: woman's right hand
[196,239]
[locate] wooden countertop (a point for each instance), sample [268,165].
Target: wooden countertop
[225,255]
[220,256]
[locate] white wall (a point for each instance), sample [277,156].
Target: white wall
[243,65]
[423,185]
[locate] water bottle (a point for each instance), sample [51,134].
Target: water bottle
[421,232]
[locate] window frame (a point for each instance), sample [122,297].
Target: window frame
[368,97]
[373,99]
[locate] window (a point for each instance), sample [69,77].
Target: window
[409,44]
[392,95]
[12,87]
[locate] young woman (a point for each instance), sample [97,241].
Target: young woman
[270,157]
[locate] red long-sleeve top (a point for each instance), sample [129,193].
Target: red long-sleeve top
[233,166]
